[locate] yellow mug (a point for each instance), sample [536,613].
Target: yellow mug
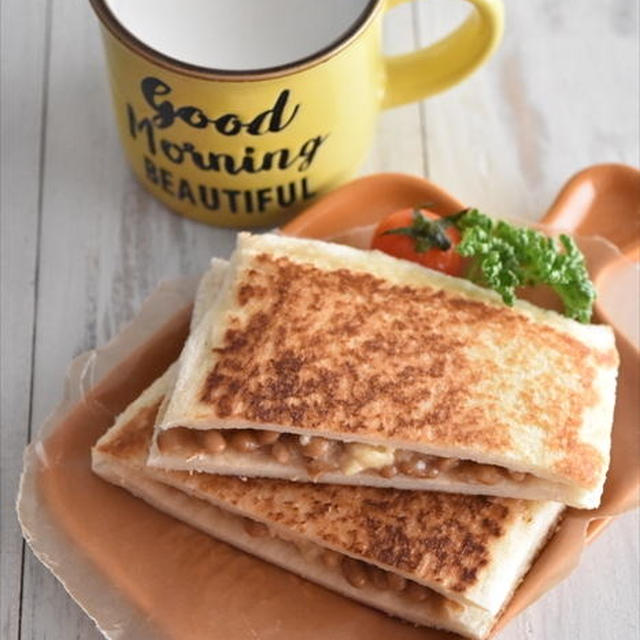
[251,147]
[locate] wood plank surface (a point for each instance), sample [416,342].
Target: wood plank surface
[399,144]
[23,52]
[561,93]
[83,244]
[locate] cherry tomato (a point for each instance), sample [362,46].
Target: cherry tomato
[406,246]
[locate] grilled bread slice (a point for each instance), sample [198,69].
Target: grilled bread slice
[441,560]
[415,379]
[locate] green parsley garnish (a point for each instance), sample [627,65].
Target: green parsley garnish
[505,257]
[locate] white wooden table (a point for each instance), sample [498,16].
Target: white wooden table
[83,244]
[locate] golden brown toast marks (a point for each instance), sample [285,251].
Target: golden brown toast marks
[348,352]
[131,440]
[444,538]
[438,537]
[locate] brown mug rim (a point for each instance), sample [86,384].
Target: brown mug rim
[124,36]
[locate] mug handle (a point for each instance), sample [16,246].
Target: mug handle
[416,75]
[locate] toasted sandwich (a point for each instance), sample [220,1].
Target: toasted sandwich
[320,362]
[435,559]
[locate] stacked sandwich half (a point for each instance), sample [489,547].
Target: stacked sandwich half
[392,433]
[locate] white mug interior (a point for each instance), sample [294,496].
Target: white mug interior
[239,35]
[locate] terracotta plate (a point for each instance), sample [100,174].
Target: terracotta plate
[141,574]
